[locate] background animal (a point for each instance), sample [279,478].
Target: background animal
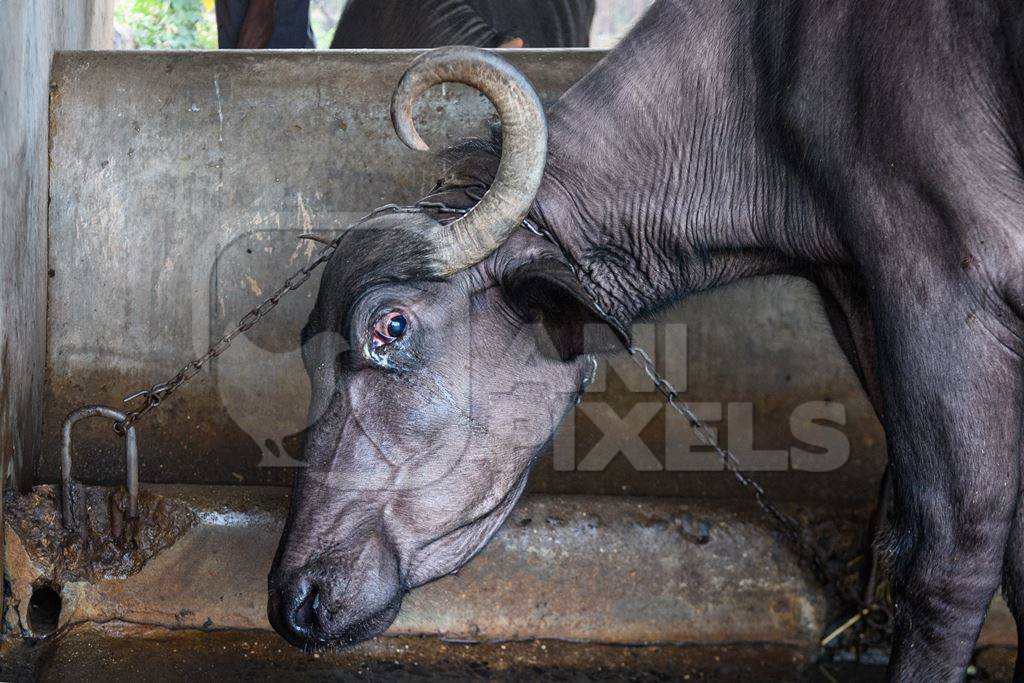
[484,23]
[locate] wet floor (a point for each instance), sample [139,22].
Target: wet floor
[121,652]
[133,653]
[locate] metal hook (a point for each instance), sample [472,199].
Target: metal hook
[131,459]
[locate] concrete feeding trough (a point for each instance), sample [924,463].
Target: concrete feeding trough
[178,185]
[619,570]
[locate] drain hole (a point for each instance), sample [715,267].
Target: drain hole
[43,610]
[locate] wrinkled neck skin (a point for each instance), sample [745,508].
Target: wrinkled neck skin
[669,181]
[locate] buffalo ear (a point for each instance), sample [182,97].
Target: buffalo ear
[547,292]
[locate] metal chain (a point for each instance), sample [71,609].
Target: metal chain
[811,554]
[155,395]
[788,526]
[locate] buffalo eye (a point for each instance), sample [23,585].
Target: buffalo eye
[389,328]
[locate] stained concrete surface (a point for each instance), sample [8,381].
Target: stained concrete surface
[598,569]
[101,541]
[179,185]
[32,31]
[127,652]
[640,579]
[123,652]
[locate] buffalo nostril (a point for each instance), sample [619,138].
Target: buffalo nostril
[305,611]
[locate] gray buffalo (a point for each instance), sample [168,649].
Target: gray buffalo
[874,148]
[485,23]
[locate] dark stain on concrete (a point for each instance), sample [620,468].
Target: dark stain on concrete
[111,546]
[121,652]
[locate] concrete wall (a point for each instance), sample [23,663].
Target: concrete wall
[179,184]
[31,32]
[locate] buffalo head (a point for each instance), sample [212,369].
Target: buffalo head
[442,356]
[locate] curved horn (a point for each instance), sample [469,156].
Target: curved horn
[524,136]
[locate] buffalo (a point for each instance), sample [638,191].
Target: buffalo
[872,148]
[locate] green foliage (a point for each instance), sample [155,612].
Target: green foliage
[168,24]
[323,17]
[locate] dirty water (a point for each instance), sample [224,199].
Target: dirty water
[124,652]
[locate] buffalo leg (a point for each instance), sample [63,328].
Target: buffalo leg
[952,397]
[1013,583]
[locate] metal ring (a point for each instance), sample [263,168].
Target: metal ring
[131,459]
